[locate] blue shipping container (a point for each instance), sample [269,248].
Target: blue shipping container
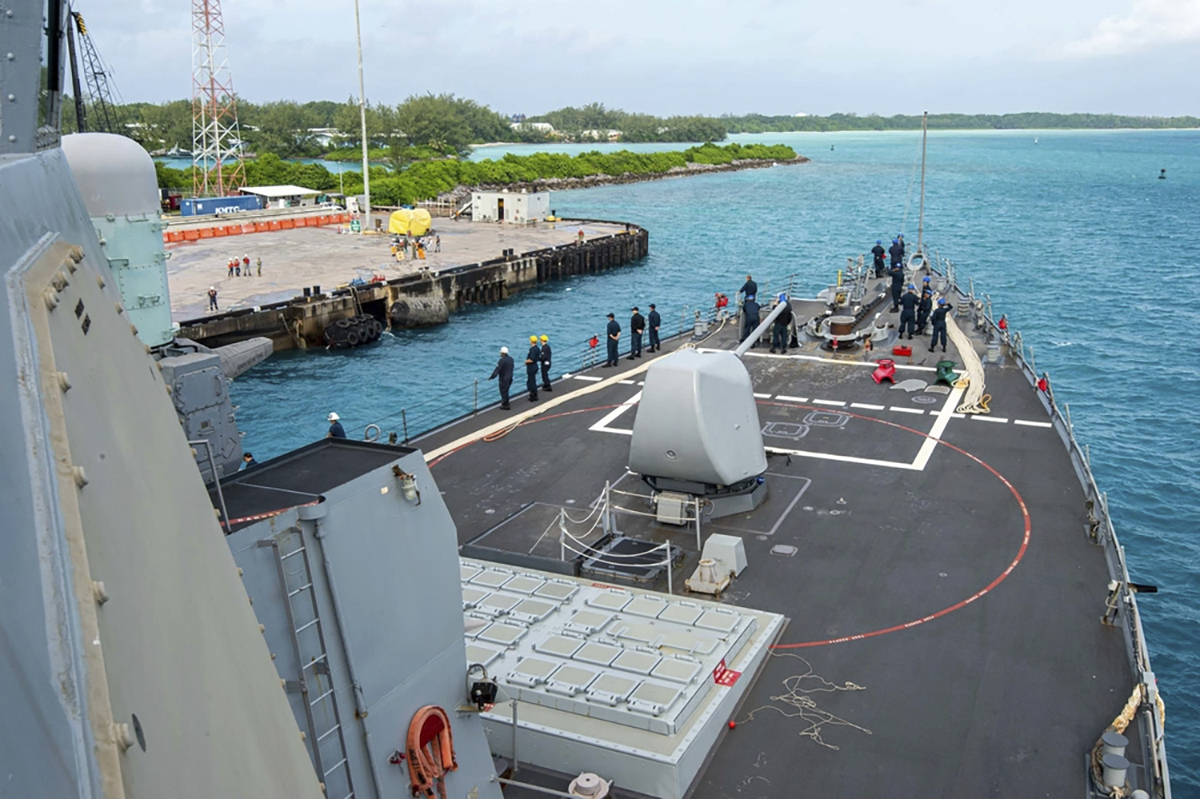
[219,205]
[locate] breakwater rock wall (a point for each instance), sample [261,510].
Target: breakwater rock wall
[301,321]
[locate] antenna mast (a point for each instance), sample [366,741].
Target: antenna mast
[215,133]
[921,216]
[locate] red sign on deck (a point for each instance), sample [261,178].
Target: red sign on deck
[724,676]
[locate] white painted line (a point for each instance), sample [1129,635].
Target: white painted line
[786,398]
[939,427]
[958,416]
[905,410]
[1032,424]
[762,396]
[641,382]
[866,406]
[627,382]
[834,403]
[588,378]
[996,419]
[602,425]
[841,458]
[818,359]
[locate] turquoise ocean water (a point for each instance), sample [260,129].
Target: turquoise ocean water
[1092,257]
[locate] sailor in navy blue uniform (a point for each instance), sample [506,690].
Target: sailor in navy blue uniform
[938,319]
[780,327]
[546,353]
[908,316]
[750,318]
[504,371]
[897,273]
[897,252]
[533,361]
[878,252]
[612,336]
[653,320]
[335,427]
[637,326]
[923,308]
[749,288]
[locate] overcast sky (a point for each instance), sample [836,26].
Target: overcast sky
[703,56]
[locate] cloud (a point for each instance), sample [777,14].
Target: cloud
[1149,23]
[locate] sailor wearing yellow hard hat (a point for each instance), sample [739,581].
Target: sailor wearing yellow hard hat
[532,361]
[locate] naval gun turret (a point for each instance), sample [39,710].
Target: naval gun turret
[116,177]
[697,441]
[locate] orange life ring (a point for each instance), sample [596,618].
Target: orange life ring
[430,752]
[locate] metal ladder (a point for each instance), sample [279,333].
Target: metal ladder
[308,643]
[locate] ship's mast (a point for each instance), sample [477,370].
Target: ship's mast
[921,215]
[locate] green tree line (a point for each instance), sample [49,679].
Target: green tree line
[422,180]
[594,121]
[759,123]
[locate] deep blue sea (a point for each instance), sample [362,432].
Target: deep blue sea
[1094,259]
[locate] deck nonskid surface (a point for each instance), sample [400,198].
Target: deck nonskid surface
[964,582]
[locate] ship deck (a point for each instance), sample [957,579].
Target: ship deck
[944,601]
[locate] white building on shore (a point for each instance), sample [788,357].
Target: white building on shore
[510,207]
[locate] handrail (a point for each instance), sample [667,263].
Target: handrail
[1137,648]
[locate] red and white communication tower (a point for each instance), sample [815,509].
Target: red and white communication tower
[216,140]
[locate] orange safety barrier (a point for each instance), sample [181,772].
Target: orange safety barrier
[233,230]
[206,233]
[260,227]
[166,240]
[323,220]
[287,224]
[219,231]
[273,225]
[311,221]
[343,218]
[175,235]
[191,235]
[248,227]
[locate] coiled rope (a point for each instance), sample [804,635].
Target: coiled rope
[974,400]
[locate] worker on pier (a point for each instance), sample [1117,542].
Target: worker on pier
[258,264]
[532,361]
[750,318]
[503,370]
[779,330]
[897,252]
[212,298]
[637,327]
[749,288]
[908,316]
[546,353]
[897,274]
[612,337]
[878,252]
[654,321]
[938,319]
[335,426]
[923,308]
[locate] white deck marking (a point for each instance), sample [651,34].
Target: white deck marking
[1032,424]
[588,378]
[939,427]
[762,396]
[786,398]
[602,425]
[834,403]
[818,359]
[866,406]
[905,410]
[958,416]
[842,458]
[627,382]
[996,419]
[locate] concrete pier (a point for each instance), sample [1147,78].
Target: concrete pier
[300,321]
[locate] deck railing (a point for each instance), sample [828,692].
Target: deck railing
[1100,529]
[414,420]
